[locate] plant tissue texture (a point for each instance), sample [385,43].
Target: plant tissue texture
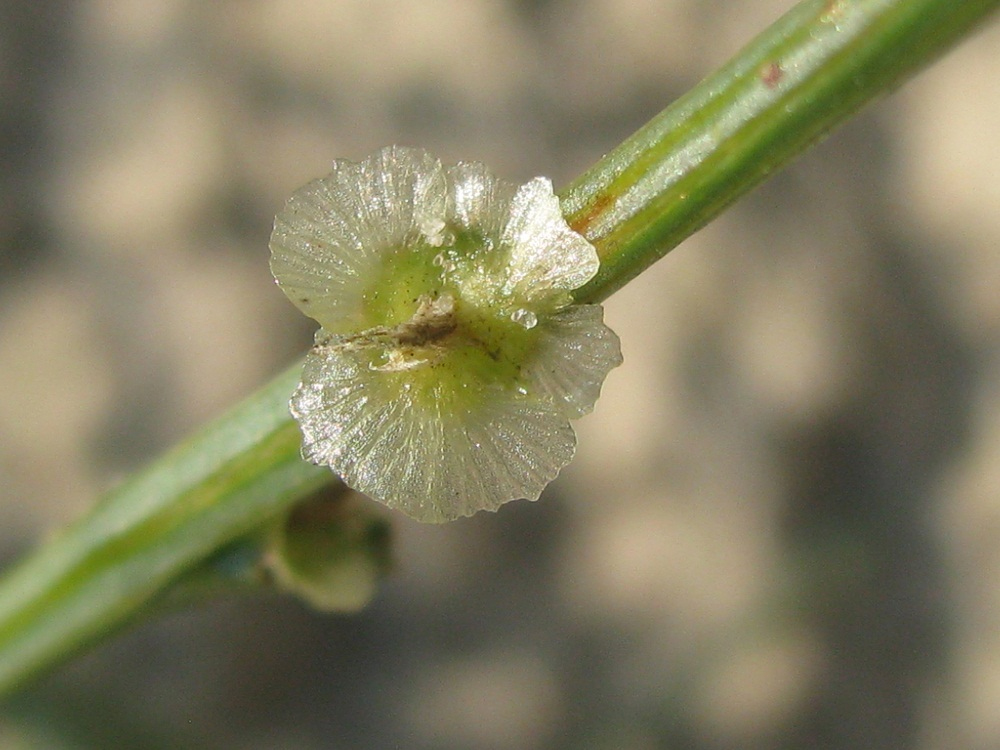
[450,358]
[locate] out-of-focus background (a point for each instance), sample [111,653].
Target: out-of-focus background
[782,529]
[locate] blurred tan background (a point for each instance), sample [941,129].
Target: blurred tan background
[783,526]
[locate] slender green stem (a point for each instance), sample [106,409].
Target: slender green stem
[808,72]
[788,88]
[226,481]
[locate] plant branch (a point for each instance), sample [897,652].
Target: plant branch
[811,70]
[786,90]
[223,483]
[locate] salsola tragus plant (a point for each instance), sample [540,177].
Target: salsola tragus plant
[499,322]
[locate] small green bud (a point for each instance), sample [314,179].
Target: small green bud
[330,551]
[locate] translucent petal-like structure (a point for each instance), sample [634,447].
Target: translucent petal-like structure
[575,353]
[422,452]
[331,238]
[450,360]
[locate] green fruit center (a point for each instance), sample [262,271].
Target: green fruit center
[440,321]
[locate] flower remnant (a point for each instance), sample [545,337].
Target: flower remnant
[451,357]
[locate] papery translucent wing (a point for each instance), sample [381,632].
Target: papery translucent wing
[479,200]
[332,236]
[414,451]
[574,354]
[544,253]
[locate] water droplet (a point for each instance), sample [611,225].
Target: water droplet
[524,318]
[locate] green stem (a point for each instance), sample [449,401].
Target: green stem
[808,72]
[223,483]
[789,87]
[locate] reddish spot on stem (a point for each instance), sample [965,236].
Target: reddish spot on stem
[581,224]
[833,9]
[771,74]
